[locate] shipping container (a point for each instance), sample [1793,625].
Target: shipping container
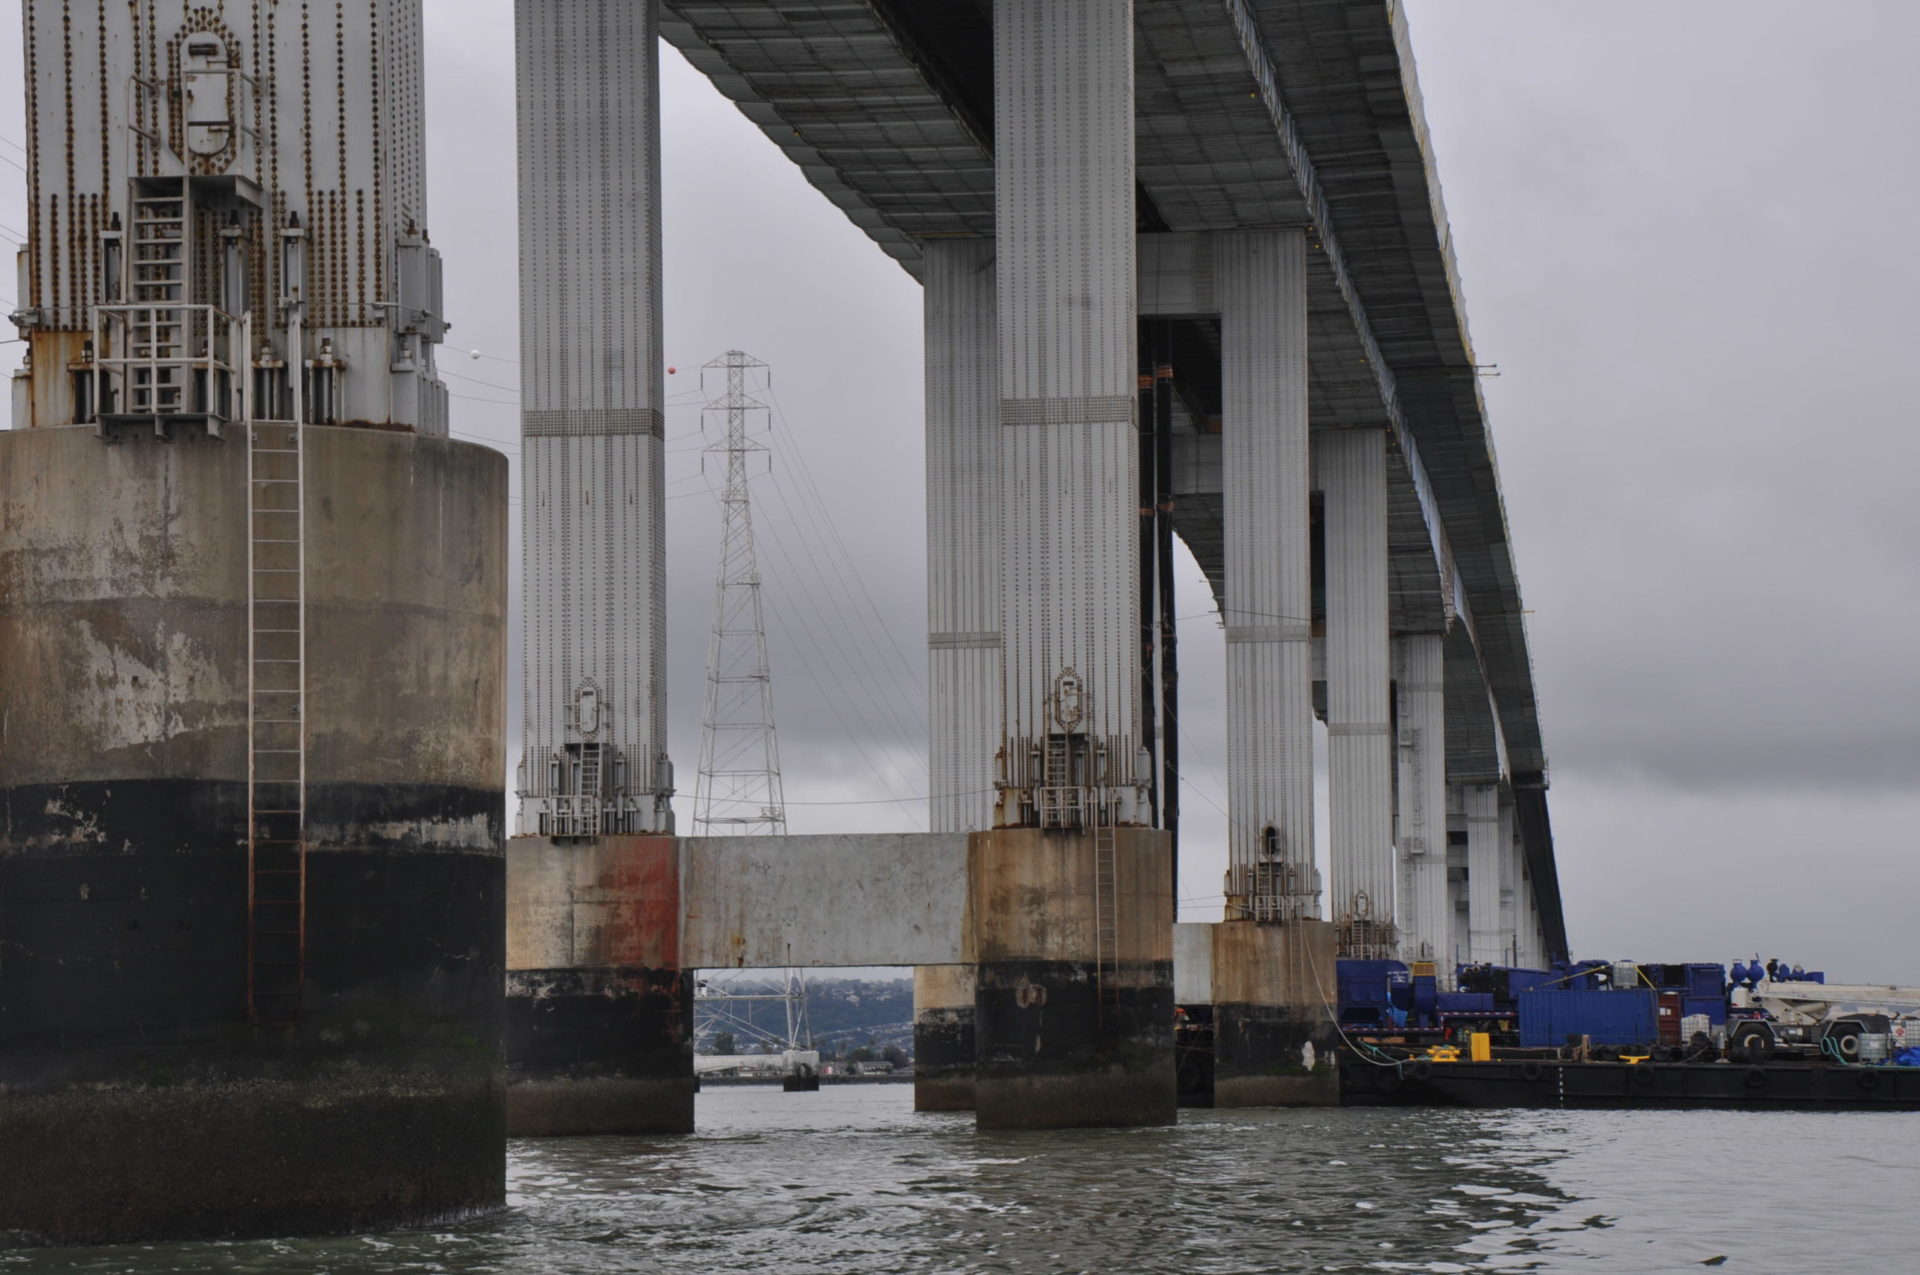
[1547,1018]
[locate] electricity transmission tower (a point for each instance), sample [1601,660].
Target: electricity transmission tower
[738,792]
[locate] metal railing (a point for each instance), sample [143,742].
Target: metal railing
[154,361]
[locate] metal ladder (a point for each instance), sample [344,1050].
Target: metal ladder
[587,810]
[1106,903]
[276,725]
[159,282]
[1056,804]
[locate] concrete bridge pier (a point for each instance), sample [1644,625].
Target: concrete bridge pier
[1273,1029]
[1068,1032]
[943,1037]
[599,1006]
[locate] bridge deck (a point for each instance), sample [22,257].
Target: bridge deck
[1250,113]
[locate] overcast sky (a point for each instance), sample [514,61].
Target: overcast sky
[1684,232]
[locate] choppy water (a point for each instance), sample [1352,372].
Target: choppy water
[851,1180]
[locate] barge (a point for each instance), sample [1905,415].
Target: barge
[1551,1083]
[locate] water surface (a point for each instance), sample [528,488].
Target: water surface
[851,1180]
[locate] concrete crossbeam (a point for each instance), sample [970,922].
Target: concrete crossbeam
[602,937]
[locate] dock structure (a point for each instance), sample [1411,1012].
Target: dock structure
[1187,271]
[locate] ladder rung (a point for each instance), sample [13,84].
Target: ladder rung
[262,540]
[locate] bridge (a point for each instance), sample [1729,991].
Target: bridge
[269,964]
[1187,274]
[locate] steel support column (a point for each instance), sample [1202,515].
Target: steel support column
[1263,355]
[1353,474]
[1485,851]
[594,742]
[963,618]
[1074,1004]
[1510,854]
[1064,175]
[1424,908]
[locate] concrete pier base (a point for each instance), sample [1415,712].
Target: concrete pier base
[943,1037]
[599,1012]
[1274,1036]
[1064,1039]
[139,1098]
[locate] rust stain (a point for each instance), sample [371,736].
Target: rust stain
[639,879]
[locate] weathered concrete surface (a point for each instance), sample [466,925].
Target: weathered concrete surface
[943,1037]
[858,899]
[135,1099]
[1193,963]
[599,1004]
[1055,1049]
[1273,992]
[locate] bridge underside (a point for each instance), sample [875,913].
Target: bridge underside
[1250,114]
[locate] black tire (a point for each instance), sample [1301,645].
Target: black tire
[1533,1072]
[1643,1074]
[1867,1079]
[1420,1069]
[1386,1079]
[1756,1078]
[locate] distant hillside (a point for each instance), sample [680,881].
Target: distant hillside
[844,1013]
[848,1011]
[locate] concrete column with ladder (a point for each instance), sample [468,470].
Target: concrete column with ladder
[1070,757]
[601,1042]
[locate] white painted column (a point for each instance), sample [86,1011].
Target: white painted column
[1509,878]
[1484,856]
[1353,475]
[1533,948]
[592,425]
[1262,282]
[963,531]
[1064,172]
[1424,911]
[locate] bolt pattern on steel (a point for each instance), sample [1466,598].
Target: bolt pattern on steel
[1263,358]
[1069,462]
[1352,468]
[594,735]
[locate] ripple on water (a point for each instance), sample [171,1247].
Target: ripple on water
[851,1180]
